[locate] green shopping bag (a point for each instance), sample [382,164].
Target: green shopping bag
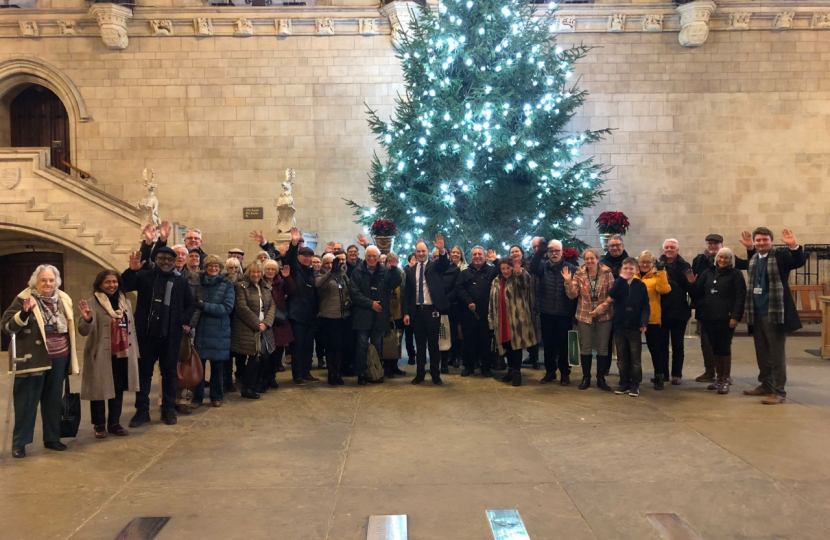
[573,347]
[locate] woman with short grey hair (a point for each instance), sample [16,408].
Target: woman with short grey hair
[42,318]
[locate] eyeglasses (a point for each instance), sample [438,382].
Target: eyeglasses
[212,265]
[614,245]
[192,238]
[164,258]
[554,251]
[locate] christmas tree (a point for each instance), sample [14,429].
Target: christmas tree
[477,148]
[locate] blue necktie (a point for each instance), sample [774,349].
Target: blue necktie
[420,284]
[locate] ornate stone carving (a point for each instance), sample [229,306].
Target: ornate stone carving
[150,205]
[368,26]
[112,20]
[285,204]
[738,21]
[820,20]
[9,178]
[324,27]
[284,27]
[399,14]
[67,28]
[616,22]
[243,27]
[783,20]
[694,22]
[203,26]
[161,27]
[653,23]
[564,24]
[29,28]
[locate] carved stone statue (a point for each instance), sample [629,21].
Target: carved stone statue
[150,204]
[285,204]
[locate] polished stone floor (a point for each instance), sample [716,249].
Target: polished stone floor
[315,462]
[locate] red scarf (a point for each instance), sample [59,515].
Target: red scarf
[504,323]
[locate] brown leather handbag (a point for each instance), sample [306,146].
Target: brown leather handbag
[189,370]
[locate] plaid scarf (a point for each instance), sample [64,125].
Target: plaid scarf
[776,290]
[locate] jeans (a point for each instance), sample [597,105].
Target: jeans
[165,350]
[769,340]
[363,339]
[46,389]
[97,410]
[555,339]
[673,331]
[217,380]
[629,355]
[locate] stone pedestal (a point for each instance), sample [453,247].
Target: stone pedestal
[694,22]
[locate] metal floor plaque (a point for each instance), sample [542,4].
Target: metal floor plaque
[145,528]
[672,527]
[507,525]
[387,528]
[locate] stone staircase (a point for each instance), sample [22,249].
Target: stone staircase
[38,199]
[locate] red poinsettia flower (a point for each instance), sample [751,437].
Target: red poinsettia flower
[384,227]
[571,255]
[612,223]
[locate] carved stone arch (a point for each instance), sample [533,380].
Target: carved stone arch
[66,239]
[17,74]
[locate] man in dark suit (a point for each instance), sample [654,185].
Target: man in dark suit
[424,302]
[771,309]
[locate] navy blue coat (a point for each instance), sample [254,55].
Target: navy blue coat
[213,334]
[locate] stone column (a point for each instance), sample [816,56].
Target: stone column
[694,22]
[112,20]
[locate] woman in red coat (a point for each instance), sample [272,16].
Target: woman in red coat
[282,284]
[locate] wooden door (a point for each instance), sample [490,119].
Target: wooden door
[39,119]
[17,269]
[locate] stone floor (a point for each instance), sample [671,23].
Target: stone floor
[313,463]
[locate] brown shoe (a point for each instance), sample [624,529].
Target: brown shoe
[100,432]
[118,431]
[759,391]
[216,403]
[724,388]
[677,381]
[183,409]
[195,405]
[706,377]
[773,400]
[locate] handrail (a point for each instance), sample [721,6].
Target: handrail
[82,173]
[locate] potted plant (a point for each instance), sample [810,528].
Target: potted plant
[610,224]
[384,231]
[571,255]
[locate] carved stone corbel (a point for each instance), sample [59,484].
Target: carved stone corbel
[399,14]
[694,22]
[784,20]
[112,21]
[284,27]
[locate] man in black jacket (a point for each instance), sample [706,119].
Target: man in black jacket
[771,309]
[424,302]
[556,310]
[164,308]
[615,255]
[302,308]
[473,292]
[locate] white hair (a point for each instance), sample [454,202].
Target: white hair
[328,257]
[45,268]
[177,246]
[197,231]
[671,240]
[373,249]
[270,262]
[555,243]
[261,253]
[729,252]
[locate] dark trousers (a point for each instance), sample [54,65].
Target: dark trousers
[426,322]
[97,409]
[673,331]
[46,389]
[654,342]
[409,338]
[320,343]
[477,342]
[629,355]
[720,336]
[274,360]
[166,351]
[770,340]
[336,332]
[513,357]
[217,380]
[706,350]
[364,337]
[256,367]
[302,349]
[555,339]
[227,374]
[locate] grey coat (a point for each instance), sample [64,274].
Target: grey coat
[245,325]
[96,381]
[519,311]
[333,293]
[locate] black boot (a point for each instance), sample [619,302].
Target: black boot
[445,362]
[586,383]
[517,378]
[658,381]
[508,377]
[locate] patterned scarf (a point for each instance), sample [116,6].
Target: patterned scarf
[776,290]
[52,310]
[118,334]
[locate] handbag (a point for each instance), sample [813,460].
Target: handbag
[391,345]
[573,347]
[444,334]
[71,413]
[280,315]
[189,369]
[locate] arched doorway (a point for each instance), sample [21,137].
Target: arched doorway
[38,118]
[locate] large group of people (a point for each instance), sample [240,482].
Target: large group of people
[278,309]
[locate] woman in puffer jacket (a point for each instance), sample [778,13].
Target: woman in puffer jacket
[657,282]
[335,311]
[251,334]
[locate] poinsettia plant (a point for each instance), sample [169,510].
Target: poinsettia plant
[384,227]
[612,223]
[571,255]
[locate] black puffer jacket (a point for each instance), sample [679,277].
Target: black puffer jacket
[550,296]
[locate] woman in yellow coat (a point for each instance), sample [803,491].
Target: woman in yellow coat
[657,283]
